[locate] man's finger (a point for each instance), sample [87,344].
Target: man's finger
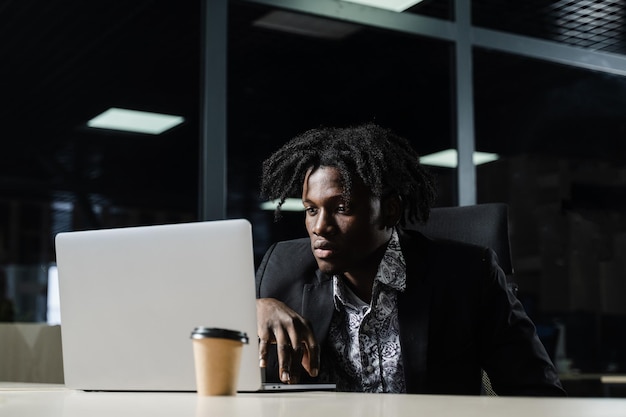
[263,353]
[285,353]
[311,359]
[296,359]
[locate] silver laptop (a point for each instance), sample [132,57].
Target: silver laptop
[130,298]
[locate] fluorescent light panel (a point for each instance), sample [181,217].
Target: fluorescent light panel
[307,25]
[135,121]
[319,27]
[393,5]
[290,204]
[449,158]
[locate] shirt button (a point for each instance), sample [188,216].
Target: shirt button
[370,369]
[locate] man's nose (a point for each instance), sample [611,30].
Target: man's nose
[324,224]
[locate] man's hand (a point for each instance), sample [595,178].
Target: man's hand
[295,342]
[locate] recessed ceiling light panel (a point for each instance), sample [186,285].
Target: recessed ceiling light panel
[135,121]
[393,5]
[307,25]
[290,204]
[449,158]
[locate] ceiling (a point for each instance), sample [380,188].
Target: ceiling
[64,62]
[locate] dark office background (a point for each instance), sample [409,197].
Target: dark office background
[560,132]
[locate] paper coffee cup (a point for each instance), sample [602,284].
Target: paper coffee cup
[217,356]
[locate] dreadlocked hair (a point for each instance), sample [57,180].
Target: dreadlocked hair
[381,160]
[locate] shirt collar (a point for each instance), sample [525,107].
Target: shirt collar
[392,269]
[391,272]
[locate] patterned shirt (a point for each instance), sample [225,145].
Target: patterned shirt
[365,338]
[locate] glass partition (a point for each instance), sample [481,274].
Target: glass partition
[559,131]
[62,66]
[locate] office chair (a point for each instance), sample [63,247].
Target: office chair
[482,224]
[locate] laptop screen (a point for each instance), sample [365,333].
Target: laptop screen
[130,298]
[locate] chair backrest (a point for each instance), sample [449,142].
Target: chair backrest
[482,224]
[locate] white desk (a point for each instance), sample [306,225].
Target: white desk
[54,401]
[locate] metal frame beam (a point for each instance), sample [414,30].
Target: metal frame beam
[213,157]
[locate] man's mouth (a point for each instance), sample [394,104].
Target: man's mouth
[323,249]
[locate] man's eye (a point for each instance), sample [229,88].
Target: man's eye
[310,210]
[342,209]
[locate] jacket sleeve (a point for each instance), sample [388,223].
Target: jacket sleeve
[286,267]
[512,354]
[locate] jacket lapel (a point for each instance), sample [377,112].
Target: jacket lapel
[414,311]
[318,305]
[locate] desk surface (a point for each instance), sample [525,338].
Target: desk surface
[54,401]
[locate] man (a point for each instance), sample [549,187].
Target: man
[371,306]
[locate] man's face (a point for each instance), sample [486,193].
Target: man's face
[344,234]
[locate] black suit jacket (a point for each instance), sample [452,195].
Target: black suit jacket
[457,316]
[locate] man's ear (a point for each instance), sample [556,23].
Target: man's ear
[392,209]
